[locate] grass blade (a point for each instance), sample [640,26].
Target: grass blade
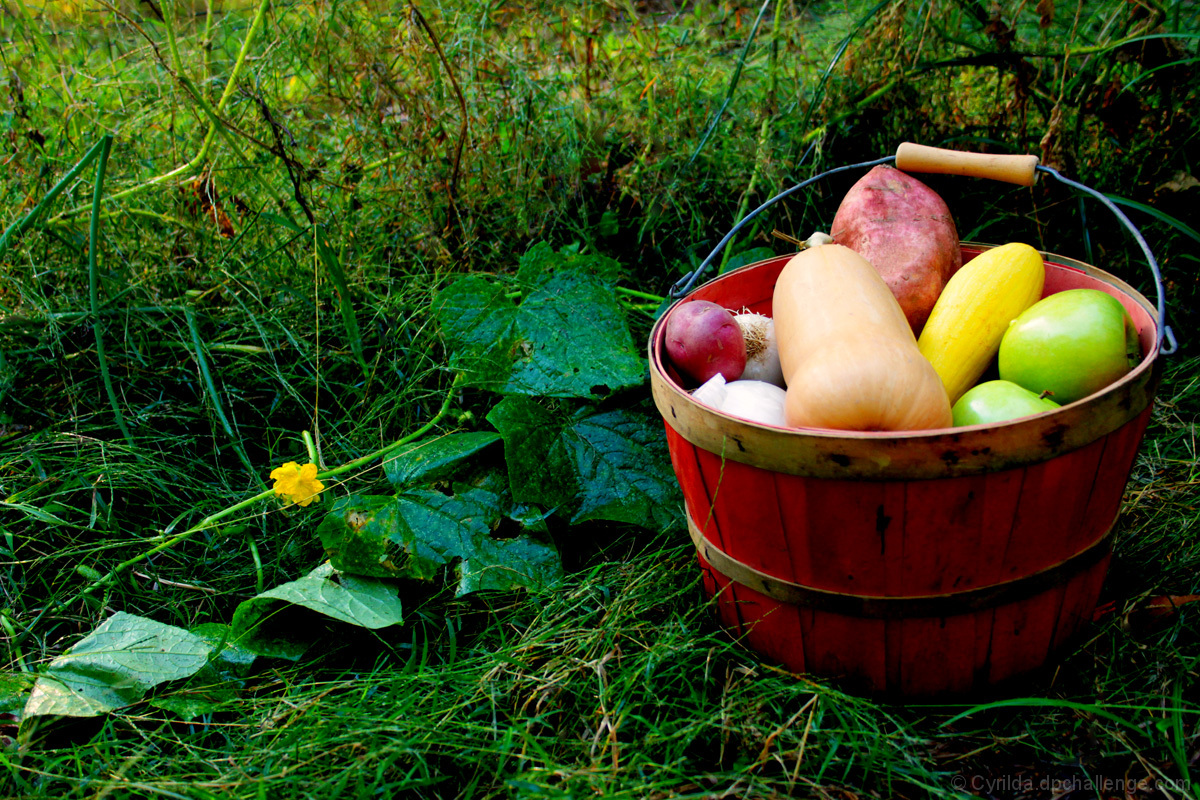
[733,82]
[25,223]
[819,92]
[105,146]
[214,395]
[1047,702]
[1177,224]
[334,266]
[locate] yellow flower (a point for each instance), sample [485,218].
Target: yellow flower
[297,482]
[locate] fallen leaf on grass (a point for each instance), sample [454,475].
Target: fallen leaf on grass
[115,666]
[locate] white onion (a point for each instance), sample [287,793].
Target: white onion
[762,354]
[757,401]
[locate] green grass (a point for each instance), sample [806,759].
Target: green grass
[422,148]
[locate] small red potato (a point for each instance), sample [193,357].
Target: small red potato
[703,338]
[907,233]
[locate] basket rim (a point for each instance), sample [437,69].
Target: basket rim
[938,452]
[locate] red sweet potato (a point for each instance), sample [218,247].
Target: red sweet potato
[907,233]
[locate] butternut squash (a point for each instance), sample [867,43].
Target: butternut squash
[979,302]
[847,351]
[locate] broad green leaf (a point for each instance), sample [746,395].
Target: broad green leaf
[115,666]
[368,535]
[611,465]
[461,527]
[269,625]
[477,321]
[567,337]
[419,532]
[433,459]
[352,599]
[205,692]
[505,563]
[540,465]
[575,341]
[355,601]
[274,630]
[745,257]
[218,683]
[542,261]
[445,527]
[624,469]
[229,658]
[14,691]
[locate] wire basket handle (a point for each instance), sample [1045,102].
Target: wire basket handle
[1019,169]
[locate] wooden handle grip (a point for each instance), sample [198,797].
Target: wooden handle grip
[1010,169]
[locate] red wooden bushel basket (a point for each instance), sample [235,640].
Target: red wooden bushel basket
[908,564]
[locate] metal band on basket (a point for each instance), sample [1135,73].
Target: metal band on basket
[881,607]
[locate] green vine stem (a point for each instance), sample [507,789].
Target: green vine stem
[654,298]
[212,520]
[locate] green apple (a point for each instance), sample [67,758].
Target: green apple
[1070,345]
[997,401]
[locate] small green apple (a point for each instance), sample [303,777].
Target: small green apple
[997,401]
[1070,345]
